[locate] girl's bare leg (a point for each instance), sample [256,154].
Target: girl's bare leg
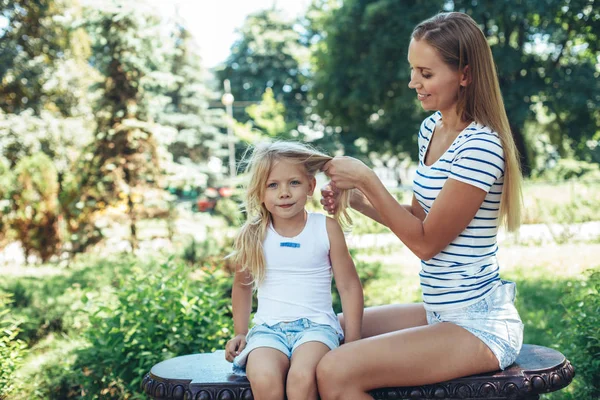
[266,370]
[412,356]
[302,376]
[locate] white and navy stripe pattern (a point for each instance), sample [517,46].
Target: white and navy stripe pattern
[467,269]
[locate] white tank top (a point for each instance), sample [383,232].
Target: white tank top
[298,277]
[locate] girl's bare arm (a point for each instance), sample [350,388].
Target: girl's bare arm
[347,282]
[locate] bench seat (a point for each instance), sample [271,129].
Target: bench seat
[537,370]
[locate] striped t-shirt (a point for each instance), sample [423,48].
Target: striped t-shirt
[467,269]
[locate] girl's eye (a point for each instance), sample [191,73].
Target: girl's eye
[296,182]
[272,185]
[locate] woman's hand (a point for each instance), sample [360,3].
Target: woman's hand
[347,172]
[234,347]
[330,197]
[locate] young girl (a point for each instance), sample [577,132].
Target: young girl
[467,183]
[289,254]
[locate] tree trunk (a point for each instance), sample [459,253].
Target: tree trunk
[132,221]
[522,149]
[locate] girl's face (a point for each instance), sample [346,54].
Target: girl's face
[287,189]
[437,84]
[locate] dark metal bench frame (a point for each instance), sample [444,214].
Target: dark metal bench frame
[537,370]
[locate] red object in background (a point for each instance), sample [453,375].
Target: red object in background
[205,204]
[209,198]
[225,191]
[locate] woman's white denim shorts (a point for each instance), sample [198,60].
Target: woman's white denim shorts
[494,319]
[286,337]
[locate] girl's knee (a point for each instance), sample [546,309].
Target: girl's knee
[301,384]
[266,386]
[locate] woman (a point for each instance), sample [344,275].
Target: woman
[468,181]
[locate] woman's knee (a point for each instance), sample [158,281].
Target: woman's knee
[329,376]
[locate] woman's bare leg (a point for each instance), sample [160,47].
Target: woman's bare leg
[412,356]
[302,376]
[267,369]
[390,318]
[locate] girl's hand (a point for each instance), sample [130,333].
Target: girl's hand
[234,347]
[347,172]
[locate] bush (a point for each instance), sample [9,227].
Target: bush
[209,252]
[35,217]
[158,314]
[6,181]
[581,338]
[12,350]
[230,210]
[53,304]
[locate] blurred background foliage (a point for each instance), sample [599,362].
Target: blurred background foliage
[112,131]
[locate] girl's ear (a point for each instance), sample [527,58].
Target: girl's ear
[465,77]
[312,184]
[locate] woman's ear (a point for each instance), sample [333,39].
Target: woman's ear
[465,76]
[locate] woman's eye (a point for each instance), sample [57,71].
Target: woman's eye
[426,76]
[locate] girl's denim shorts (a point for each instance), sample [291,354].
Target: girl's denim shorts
[494,319]
[286,337]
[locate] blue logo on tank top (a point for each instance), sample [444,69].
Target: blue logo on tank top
[289,244]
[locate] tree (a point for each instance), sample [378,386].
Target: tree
[122,161]
[269,54]
[199,134]
[361,73]
[545,52]
[41,57]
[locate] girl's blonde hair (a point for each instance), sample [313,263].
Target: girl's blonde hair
[247,249]
[461,43]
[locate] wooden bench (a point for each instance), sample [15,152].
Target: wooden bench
[537,370]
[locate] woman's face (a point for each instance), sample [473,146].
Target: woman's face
[436,83]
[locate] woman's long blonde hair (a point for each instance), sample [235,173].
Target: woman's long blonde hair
[461,43]
[248,245]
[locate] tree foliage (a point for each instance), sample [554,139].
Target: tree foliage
[361,73]
[42,60]
[198,129]
[128,50]
[269,54]
[546,52]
